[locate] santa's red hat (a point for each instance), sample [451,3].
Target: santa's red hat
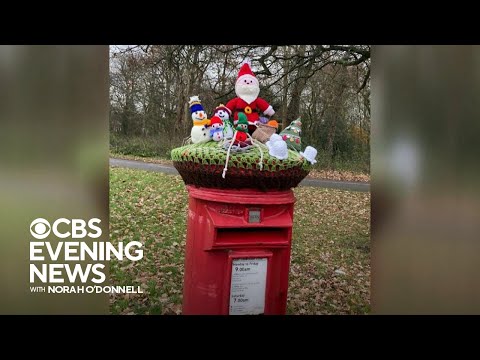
[246,73]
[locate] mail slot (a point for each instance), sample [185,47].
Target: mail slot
[238,251]
[253,237]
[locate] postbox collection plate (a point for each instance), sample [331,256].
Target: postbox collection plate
[248,284]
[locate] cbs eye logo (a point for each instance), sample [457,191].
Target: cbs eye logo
[77,228]
[40,228]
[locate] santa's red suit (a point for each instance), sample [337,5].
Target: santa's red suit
[251,110]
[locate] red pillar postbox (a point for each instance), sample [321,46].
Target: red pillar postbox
[238,251]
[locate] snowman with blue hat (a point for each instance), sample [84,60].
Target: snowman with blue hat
[201,124]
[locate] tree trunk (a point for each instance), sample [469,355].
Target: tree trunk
[337,112]
[285,89]
[331,138]
[298,86]
[223,78]
[191,78]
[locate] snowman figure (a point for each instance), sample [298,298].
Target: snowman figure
[216,128]
[200,131]
[224,113]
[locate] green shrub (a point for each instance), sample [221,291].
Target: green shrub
[358,162]
[139,146]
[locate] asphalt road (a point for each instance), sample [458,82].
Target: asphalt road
[331,184]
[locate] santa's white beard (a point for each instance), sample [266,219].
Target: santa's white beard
[247,93]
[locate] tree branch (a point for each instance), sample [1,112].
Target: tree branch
[365,80]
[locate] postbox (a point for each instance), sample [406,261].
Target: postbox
[237,251]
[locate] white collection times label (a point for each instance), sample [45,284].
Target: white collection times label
[248,283]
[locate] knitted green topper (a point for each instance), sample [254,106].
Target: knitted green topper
[211,153]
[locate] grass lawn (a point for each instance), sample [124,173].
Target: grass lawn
[330,267]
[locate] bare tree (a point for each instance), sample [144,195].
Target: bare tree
[328,85]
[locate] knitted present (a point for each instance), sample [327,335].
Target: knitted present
[263,132]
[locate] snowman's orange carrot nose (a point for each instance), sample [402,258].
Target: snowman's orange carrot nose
[200,115]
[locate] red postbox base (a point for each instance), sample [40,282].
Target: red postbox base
[237,252]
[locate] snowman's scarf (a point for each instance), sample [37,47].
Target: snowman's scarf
[254,142]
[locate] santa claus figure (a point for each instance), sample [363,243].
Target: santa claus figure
[248,102]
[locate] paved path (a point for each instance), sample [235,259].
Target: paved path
[331,184]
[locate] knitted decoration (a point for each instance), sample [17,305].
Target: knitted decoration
[263,132]
[216,128]
[292,135]
[240,139]
[247,101]
[309,154]
[223,113]
[273,123]
[242,129]
[203,164]
[277,147]
[237,147]
[263,120]
[200,130]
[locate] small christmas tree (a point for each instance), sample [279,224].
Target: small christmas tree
[292,135]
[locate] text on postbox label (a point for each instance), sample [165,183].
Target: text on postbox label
[248,284]
[254,215]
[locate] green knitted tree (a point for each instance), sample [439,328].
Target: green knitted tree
[292,135]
